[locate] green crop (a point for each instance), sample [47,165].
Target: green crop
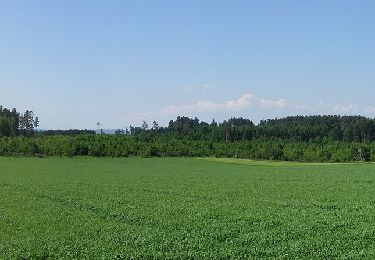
[134,208]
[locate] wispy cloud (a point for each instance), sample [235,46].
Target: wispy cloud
[203,87]
[337,109]
[199,107]
[322,106]
[344,108]
[274,106]
[370,109]
[278,104]
[210,106]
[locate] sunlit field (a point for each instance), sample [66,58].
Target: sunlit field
[185,208]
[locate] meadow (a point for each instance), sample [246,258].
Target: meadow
[157,208]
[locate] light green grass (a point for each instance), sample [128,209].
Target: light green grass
[185,208]
[274,163]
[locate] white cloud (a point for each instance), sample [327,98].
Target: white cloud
[209,106]
[323,106]
[267,103]
[200,88]
[344,108]
[338,109]
[370,109]
[278,104]
[188,88]
[199,107]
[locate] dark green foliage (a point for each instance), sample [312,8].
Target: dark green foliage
[169,146]
[70,132]
[299,138]
[298,128]
[13,123]
[305,128]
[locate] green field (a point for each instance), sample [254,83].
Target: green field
[185,208]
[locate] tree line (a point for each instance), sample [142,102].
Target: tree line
[165,146]
[296,128]
[13,123]
[297,138]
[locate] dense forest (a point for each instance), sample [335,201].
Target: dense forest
[13,123]
[298,128]
[298,138]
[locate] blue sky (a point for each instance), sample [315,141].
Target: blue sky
[120,62]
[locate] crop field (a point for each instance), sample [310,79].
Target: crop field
[145,208]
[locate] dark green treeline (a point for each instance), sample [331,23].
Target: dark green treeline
[13,123]
[299,138]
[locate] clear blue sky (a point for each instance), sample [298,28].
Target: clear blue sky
[118,62]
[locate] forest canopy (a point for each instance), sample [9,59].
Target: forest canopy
[13,123]
[319,138]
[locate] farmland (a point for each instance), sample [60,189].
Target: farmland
[110,208]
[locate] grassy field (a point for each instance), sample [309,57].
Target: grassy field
[185,208]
